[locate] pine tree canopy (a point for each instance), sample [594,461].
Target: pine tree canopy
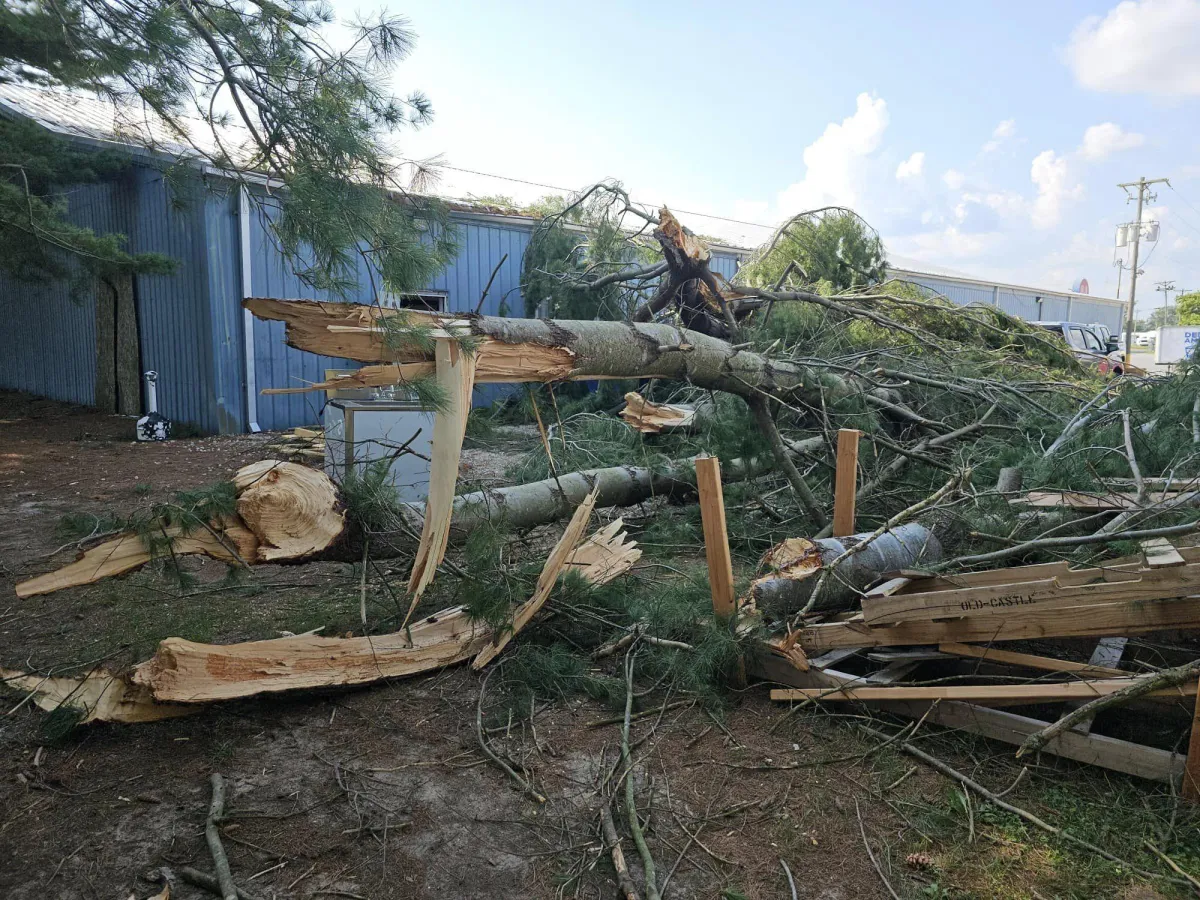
[833,245]
[249,86]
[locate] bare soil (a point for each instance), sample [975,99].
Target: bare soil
[383,792]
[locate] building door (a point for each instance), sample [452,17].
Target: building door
[118,357]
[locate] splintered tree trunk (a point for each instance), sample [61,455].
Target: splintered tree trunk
[794,567]
[544,350]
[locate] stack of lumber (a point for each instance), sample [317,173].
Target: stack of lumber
[944,645]
[299,445]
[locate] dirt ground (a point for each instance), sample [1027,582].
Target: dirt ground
[383,792]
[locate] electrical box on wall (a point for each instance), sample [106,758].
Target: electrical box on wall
[395,433]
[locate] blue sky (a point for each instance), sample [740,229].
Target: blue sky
[983,137]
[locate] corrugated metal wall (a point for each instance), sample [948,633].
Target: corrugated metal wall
[1030,305]
[724,264]
[48,342]
[173,310]
[48,339]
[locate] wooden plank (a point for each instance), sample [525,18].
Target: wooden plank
[1113,500]
[1010,575]
[1191,778]
[716,539]
[1010,728]
[1014,599]
[1028,660]
[889,587]
[996,724]
[832,658]
[1013,694]
[1160,553]
[894,671]
[845,488]
[1086,620]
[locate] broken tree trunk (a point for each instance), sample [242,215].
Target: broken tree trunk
[293,510]
[545,350]
[794,567]
[183,674]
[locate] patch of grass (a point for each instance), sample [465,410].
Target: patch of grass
[142,488]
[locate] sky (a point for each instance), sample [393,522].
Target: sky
[987,138]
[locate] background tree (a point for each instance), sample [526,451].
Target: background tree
[833,245]
[578,242]
[1187,309]
[248,86]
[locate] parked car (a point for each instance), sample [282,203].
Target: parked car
[1089,348]
[1145,338]
[1113,343]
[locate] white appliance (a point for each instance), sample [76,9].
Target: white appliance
[397,432]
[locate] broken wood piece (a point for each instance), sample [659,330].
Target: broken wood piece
[189,672]
[555,563]
[716,539]
[1111,500]
[1108,652]
[605,555]
[845,486]
[456,379]
[1030,661]
[1161,553]
[293,510]
[98,696]
[230,542]
[654,418]
[999,694]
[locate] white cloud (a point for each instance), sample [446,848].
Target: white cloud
[751,210]
[1183,243]
[835,163]
[1141,46]
[1005,129]
[947,244]
[911,167]
[954,179]
[1051,174]
[1101,141]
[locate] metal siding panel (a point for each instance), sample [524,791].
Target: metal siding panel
[58,362]
[174,316]
[222,242]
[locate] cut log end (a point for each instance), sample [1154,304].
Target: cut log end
[293,510]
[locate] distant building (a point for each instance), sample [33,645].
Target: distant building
[212,359]
[1027,302]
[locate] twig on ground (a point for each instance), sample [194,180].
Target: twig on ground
[526,788]
[609,830]
[791,880]
[968,782]
[212,835]
[635,825]
[863,831]
[1174,865]
[209,882]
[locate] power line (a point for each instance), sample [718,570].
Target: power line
[551,187]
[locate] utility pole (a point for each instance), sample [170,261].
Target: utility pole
[1141,184]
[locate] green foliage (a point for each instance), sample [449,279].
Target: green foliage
[247,87]
[38,241]
[834,245]
[1168,316]
[371,502]
[1187,307]
[578,240]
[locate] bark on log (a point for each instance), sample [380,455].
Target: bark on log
[795,566]
[545,350]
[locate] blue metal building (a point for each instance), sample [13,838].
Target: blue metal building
[213,359]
